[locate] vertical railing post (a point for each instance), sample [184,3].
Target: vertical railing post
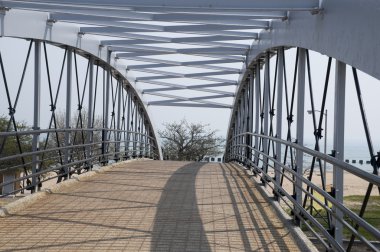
[106,97]
[118,116]
[90,125]
[257,111]
[338,152]
[68,111]
[36,116]
[300,126]
[280,74]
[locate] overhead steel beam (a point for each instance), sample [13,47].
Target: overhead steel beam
[147,39]
[165,84]
[235,35]
[218,48]
[145,66]
[204,40]
[204,50]
[130,13]
[105,19]
[187,63]
[181,87]
[191,105]
[222,37]
[190,75]
[191,99]
[201,4]
[198,98]
[146,78]
[181,101]
[218,18]
[129,42]
[132,55]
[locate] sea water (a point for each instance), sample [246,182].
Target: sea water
[351,152]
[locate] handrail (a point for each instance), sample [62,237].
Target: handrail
[282,169]
[137,144]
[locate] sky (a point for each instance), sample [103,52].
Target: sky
[14,52]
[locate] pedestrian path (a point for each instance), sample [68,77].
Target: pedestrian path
[152,206]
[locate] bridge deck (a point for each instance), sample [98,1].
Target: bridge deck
[152,206]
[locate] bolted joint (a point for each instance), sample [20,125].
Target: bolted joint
[12,111]
[290,118]
[271,112]
[316,11]
[52,107]
[79,107]
[318,133]
[378,159]
[51,21]
[4,9]
[333,153]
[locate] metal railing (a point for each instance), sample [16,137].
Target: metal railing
[253,158]
[82,155]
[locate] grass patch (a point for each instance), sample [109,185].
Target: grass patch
[354,203]
[371,214]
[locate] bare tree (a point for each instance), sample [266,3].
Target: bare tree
[189,141]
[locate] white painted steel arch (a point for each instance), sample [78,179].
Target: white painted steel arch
[345,30]
[38,28]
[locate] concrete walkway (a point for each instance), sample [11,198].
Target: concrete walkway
[152,206]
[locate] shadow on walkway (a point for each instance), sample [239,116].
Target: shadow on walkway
[178,225]
[257,204]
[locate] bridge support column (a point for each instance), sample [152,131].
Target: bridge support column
[338,152]
[249,119]
[134,155]
[265,111]
[36,115]
[141,137]
[241,126]
[142,147]
[119,114]
[280,74]
[234,141]
[129,97]
[90,125]
[300,126]
[257,111]
[68,111]
[106,97]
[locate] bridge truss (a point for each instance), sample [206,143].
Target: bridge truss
[214,54]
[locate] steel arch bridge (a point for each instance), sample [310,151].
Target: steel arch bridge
[226,54]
